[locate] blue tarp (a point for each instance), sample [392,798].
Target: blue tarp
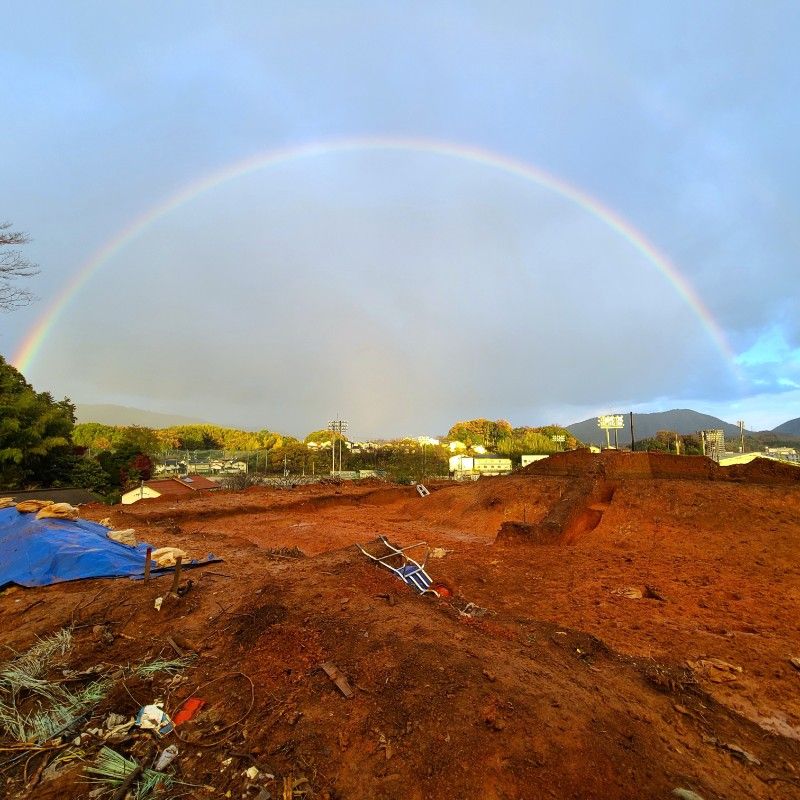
[38,552]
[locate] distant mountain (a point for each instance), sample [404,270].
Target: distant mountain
[680,420]
[790,428]
[123,415]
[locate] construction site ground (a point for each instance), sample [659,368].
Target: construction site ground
[618,629]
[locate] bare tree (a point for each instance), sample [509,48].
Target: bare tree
[13,266]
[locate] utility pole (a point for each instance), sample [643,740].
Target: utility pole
[633,440]
[741,435]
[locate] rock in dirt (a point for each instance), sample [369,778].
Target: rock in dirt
[653,593]
[795,662]
[630,592]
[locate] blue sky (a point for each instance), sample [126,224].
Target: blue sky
[408,290]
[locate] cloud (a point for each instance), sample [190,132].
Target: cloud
[409,290]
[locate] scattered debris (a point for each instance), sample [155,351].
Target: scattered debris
[295,787]
[715,669]
[167,756]
[119,773]
[734,750]
[154,718]
[473,611]
[171,666]
[438,552]
[333,672]
[157,603]
[115,728]
[188,710]
[252,773]
[795,662]
[5,502]
[422,490]
[58,710]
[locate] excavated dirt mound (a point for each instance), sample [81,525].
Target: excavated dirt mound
[613,634]
[624,464]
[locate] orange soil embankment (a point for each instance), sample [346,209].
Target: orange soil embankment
[567,678]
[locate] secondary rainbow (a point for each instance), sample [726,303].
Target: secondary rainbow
[32,343]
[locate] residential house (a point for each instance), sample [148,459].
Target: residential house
[161,487]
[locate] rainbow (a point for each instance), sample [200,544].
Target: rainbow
[33,341]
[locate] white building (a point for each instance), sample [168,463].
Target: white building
[462,466]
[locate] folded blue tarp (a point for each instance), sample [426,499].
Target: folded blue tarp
[38,552]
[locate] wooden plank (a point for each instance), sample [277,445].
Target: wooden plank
[335,674]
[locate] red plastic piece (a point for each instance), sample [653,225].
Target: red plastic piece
[188,710]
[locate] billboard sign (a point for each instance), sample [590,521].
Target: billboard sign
[610,421]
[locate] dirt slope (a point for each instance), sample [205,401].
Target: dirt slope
[564,681]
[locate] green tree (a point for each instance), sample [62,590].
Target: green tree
[35,432]
[89,474]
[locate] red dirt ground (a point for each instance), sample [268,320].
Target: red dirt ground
[565,687]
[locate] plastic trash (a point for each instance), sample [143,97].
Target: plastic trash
[166,757]
[154,718]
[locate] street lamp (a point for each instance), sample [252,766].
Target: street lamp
[336,426]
